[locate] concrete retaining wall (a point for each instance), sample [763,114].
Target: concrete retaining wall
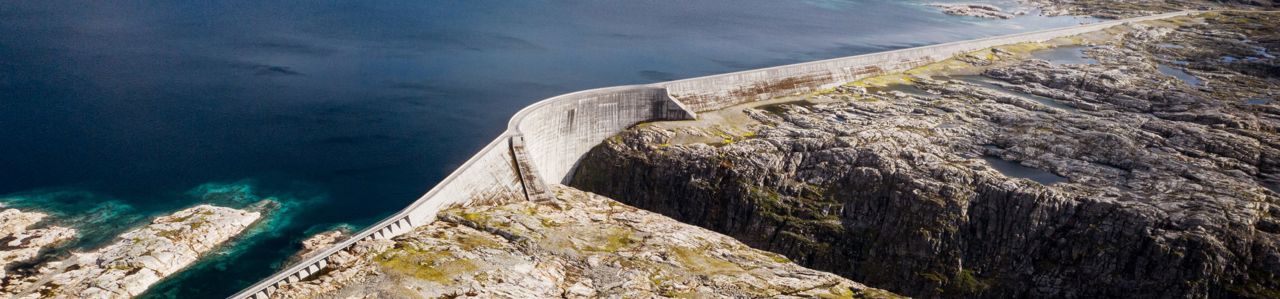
[544,142]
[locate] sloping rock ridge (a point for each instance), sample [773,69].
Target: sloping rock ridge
[577,245]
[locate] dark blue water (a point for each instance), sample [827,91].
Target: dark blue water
[345,113]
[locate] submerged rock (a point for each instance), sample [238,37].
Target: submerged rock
[139,258]
[578,245]
[1165,191]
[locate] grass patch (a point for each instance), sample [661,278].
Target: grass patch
[698,261]
[468,242]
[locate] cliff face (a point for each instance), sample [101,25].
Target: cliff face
[577,245]
[1151,172]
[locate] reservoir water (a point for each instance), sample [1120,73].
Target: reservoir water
[343,113]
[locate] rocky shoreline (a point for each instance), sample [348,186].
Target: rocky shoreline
[577,245]
[1141,161]
[124,269]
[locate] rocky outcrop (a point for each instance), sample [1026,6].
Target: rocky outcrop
[1117,9]
[577,245]
[138,259]
[20,243]
[1144,185]
[320,242]
[986,11]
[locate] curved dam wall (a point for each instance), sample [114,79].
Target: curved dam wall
[560,130]
[544,141]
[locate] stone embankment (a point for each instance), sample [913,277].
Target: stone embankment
[572,245]
[136,260]
[1143,161]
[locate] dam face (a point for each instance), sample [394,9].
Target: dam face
[544,141]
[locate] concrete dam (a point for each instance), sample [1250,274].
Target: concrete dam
[544,142]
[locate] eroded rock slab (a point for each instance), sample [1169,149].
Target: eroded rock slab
[21,243]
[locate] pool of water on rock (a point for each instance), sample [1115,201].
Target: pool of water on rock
[990,83]
[1017,170]
[1178,73]
[1064,55]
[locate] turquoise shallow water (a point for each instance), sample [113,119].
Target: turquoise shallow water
[343,113]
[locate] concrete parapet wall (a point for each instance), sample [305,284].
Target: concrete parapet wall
[555,133]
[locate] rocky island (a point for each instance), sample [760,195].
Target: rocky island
[1138,161]
[123,269]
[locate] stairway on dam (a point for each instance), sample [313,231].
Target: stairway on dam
[535,189]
